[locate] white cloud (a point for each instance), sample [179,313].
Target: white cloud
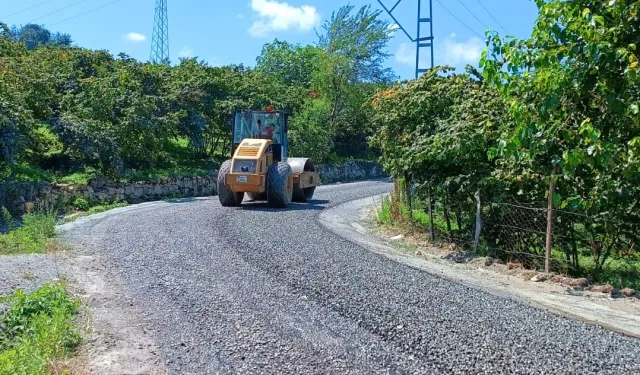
[280,16]
[448,52]
[186,52]
[135,37]
[240,16]
[393,27]
[452,52]
[406,54]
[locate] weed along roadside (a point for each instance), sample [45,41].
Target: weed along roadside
[33,236]
[37,333]
[38,315]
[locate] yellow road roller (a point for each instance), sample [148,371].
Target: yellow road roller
[260,167]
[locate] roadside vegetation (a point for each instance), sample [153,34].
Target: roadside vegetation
[68,114]
[34,235]
[36,331]
[561,107]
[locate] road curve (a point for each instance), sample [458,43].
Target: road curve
[259,290]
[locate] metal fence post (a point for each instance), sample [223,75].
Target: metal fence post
[549,243]
[476,239]
[430,208]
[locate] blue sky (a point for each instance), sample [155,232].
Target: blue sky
[234,31]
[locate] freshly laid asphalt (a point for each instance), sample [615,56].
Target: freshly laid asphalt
[272,291]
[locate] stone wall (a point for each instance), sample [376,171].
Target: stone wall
[17,197]
[352,170]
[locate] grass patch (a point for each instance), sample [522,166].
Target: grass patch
[35,235]
[36,331]
[385,216]
[620,273]
[26,172]
[203,169]
[392,212]
[80,177]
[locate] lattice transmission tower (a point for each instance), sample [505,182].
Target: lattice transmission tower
[160,36]
[423,39]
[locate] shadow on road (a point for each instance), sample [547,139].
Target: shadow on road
[314,204]
[187,200]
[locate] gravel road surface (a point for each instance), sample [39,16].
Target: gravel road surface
[258,290]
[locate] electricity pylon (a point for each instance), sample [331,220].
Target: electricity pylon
[160,36]
[422,42]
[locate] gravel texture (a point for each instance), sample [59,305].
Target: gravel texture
[260,290]
[28,272]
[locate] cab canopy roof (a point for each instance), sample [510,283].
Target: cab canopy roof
[260,125]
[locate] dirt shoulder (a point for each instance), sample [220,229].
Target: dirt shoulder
[355,222]
[117,338]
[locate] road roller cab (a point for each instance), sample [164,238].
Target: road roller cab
[259,165]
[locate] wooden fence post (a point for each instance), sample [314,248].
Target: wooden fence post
[476,239]
[549,244]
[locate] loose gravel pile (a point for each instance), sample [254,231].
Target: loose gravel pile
[260,290]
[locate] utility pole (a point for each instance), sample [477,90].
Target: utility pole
[422,41]
[160,36]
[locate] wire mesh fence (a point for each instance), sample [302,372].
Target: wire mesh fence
[516,231]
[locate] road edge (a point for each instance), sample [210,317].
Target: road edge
[342,220]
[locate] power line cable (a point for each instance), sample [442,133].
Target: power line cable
[58,11]
[474,15]
[82,14]
[26,9]
[492,17]
[459,20]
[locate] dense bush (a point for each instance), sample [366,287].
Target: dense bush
[562,105]
[66,109]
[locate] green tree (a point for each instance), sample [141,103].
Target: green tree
[15,118]
[574,92]
[293,65]
[33,35]
[439,128]
[349,69]
[361,39]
